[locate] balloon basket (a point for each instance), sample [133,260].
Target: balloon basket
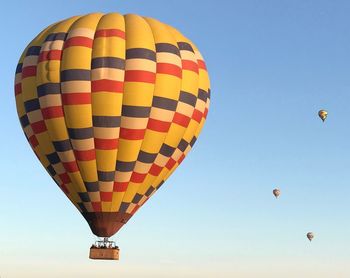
[104,250]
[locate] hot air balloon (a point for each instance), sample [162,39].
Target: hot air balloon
[111,104]
[276,192]
[323,115]
[310,236]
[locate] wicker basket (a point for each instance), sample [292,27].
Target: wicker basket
[104,253]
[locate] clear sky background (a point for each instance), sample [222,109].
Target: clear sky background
[273,65]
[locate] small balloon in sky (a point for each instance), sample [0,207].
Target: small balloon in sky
[323,114]
[276,192]
[310,236]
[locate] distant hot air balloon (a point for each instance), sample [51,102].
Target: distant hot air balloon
[323,114]
[276,192]
[310,236]
[111,105]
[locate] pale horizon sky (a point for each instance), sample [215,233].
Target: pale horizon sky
[272,64]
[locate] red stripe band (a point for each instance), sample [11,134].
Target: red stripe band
[132,134]
[158,125]
[137,177]
[190,65]
[106,144]
[52,112]
[64,178]
[181,119]
[76,98]
[120,186]
[110,33]
[106,196]
[155,170]
[205,113]
[85,155]
[78,41]
[170,164]
[182,157]
[28,71]
[71,166]
[197,115]
[201,64]
[33,141]
[170,69]
[107,86]
[140,76]
[96,206]
[38,127]
[50,55]
[18,89]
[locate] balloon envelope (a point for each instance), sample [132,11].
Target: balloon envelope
[111,105]
[323,114]
[310,236]
[276,192]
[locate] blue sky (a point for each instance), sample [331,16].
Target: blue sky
[273,65]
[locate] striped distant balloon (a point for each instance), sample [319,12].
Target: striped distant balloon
[111,105]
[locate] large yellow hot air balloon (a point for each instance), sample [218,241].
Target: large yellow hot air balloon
[111,105]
